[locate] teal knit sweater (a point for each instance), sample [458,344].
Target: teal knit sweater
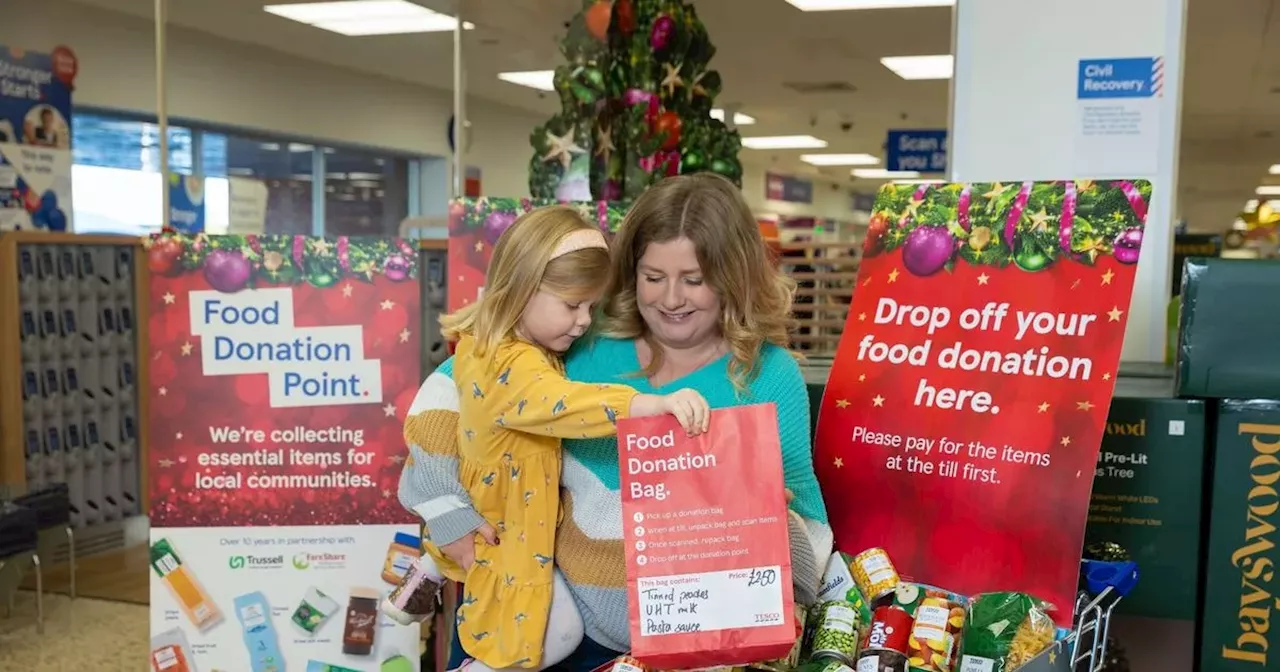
[589,543]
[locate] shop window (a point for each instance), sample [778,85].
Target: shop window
[365,194]
[284,167]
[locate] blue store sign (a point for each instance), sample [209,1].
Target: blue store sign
[1120,78]
[924,151]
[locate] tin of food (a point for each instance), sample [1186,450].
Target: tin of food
[628,664]
[835,634]
[881,660]
[935,633]
[874,574]
[890,630]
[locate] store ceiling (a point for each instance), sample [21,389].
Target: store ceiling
[1231,114]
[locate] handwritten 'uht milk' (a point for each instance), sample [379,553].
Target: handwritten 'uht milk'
[652,463]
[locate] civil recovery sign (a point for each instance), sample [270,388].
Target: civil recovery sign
[1120,78]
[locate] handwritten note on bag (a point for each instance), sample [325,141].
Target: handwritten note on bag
[708,563]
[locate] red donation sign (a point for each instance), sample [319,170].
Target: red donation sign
[708,562]
[961,424]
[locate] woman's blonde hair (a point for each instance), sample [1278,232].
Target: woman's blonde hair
[755,297]
[522,264]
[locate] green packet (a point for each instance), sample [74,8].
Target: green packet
[1004,631]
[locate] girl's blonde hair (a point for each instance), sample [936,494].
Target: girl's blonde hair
[755,297]
[521,265]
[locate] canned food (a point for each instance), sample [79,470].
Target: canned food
[836,632]
[874,573]
[882,660]
[908,596]
[890,630]
[935,634]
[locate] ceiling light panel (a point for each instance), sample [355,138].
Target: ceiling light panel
[920,67]
[784,142]
[739,119]
[1269,190]
[840,159]
[845,5]
[1275,169]
[882,174]
[368,17]
[542,80]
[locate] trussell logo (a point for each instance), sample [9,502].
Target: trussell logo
[255,561]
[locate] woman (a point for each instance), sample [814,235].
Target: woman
[693,302]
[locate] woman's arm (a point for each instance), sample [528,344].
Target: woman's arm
[429,483]
[782,383]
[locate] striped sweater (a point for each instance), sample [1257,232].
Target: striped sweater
[589,548]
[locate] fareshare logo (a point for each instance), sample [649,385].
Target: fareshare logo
[252,332]
[304,561]
[301,562]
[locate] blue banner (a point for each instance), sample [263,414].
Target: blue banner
[922,151]
[1120,78]
[787,188]
[35,138]
[186,203]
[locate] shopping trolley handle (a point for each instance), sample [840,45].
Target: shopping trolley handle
[1120,577]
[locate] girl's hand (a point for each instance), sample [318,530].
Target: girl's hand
[691,410]
[463,551]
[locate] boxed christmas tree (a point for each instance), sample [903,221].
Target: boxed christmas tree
[1241,584]
[1146,502]
[1228,329]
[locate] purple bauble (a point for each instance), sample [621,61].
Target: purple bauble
[927,250]
[397,268]
[495,224]
[227,270]
[1128,246]
[637,97]
[660,36]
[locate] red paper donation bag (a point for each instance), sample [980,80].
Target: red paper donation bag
[705,530]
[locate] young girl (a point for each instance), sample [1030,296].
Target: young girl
[515,405]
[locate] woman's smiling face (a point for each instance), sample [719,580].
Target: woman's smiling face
[675,301]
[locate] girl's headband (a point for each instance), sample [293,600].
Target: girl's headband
[580,240]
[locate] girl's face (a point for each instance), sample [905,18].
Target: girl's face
[554,323]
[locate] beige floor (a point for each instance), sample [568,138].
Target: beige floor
[91,635]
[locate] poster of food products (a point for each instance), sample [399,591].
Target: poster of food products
[35,138]
[968,396]
[281,371]
[271,599]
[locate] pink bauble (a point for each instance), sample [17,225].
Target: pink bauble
[927,250]
[397,268]
[495,224]
[227,270]
[1128,246]
[660,36]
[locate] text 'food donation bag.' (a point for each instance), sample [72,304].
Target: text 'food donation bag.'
[705,530]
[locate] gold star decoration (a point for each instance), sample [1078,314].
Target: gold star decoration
[321,246]
[389,410]
[479,246]
[386,494]
[404,336]
[997,190]
[1106,277]
[839,463]
[913,208]
[842,403]
[169,298]
[1092,247]
[178,436]
[1075,284]
[1084,185]
[1114,314]
[387,304]
[604,143]
[186,349]
[862,317]
[1084,405]
[1040,220]
[982,279]
[893,275]
[877,401]
[346,290]
[165,463]
[563,147]
[1066,441]
[671,80]
[1043,407]
[696,87]
[163,391]
[1106,376]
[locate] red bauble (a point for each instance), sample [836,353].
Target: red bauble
[162,258]
[597,19]
[668,123]
[626,17]
[876,228]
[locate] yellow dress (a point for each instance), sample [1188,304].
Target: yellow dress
[515,405]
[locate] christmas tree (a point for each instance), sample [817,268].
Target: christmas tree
[636,97]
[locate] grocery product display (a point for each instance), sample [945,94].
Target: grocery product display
[78,368]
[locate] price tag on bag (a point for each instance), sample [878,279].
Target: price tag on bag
[708,559]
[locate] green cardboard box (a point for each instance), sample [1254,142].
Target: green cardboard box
[1242,589]
[1228,329]
[1146,497]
